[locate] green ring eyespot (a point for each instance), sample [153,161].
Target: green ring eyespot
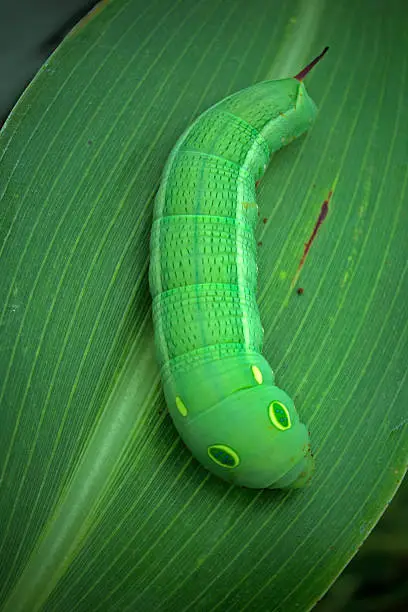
[223,455]
[279,415]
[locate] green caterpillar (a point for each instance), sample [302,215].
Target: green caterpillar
[219,389]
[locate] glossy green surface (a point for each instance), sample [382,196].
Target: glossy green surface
[203,279]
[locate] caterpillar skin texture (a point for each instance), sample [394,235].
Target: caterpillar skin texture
[219,389]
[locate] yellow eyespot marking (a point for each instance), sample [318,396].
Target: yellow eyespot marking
[257,374]
[279,415]
[181,406]
[224,455]
[247,205]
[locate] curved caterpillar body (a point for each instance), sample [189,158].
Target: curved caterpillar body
[219,389]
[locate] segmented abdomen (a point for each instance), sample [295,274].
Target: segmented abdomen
[203,272]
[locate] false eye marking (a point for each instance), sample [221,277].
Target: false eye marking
[181,407]
[224,455]
[279,415]
[257,374]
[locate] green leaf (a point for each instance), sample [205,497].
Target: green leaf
[101,505]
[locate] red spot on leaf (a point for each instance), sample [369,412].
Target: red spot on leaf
[322,215]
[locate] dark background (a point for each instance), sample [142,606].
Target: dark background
[376,580]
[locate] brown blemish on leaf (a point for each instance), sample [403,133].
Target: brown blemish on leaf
[322,215]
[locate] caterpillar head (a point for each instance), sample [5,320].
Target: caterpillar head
[239,424]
